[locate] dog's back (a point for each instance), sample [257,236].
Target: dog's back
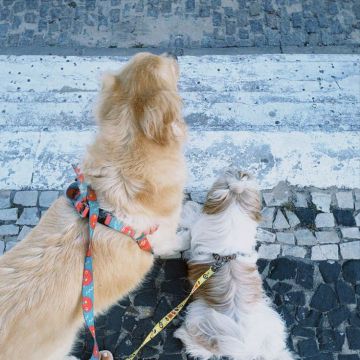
[230,315]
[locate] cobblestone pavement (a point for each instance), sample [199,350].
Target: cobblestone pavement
[309,246]
[320,302]
[179,24]
[300,222]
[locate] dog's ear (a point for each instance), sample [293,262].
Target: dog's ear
[234,186]
[109,81]
[155,115]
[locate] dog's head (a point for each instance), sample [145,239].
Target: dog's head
[234,187]
[143,98]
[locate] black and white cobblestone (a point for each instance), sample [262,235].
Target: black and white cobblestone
[319,301]
[311,273]
[179,24]
[305,223]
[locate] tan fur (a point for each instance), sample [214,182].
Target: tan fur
[137,169]
[224,192]
[217,289]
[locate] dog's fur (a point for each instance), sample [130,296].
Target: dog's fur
[137,169]
[230,316]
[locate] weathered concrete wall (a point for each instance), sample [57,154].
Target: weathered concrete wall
[283,117]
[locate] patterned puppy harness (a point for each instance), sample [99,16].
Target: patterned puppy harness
[84,199]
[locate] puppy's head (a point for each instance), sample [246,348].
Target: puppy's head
[234,187]
[145,93]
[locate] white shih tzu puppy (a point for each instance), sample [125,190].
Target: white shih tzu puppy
[230,316]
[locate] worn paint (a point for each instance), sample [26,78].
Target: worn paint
[315,158]
[240,92]
[282,117]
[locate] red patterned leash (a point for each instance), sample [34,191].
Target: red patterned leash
[85,202]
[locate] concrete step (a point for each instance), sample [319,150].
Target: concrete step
[282,117]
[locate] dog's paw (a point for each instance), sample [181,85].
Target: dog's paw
[189,214]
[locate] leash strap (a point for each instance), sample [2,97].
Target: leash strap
[85,202]
[87,292]
[167,319]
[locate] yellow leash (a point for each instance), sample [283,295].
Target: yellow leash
[166,320]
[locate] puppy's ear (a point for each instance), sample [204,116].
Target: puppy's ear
[155,115]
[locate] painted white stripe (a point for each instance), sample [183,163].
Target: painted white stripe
[240,92]
[283,117]
[42,160]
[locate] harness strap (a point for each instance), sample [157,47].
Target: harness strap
[85,202]
[82,206]
[168,318]
[87,291]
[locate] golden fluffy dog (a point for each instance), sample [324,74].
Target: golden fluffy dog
[137,169]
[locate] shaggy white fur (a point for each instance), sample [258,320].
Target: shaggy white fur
[231,315]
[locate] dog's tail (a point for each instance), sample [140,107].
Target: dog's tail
[234,186]
[206,332]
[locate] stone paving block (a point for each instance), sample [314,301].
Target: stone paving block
[345,199]
[304,237]
[357,204]
[344,217]
[26,198]
[353,336]
[357,219]
[285,238]
[267,217]
[322,201]
[279,196]
[330,270]
[29,216]
[280,221]
[324,220]
[4,199]
[301,199]
[265,236]
[327,237]
[292,218]
[270,251]
[325,252]
[8,214]
[6,230]
[272,200]
[46,198]
[324,298]
[351,233]
[350,250]
[10,244]
[24,231]
[357,194]
[296,251]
